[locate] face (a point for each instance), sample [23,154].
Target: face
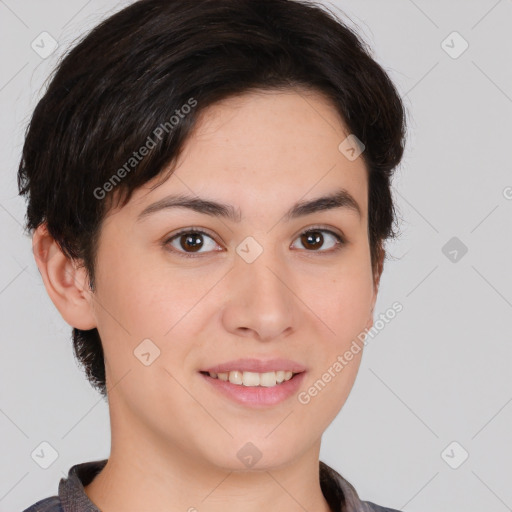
[203,287]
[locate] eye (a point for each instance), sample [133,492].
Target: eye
[313,239]
[191,240]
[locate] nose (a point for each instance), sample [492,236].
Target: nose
[260,300]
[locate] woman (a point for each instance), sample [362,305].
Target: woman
[209,192]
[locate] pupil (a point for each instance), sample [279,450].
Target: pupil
[314,238]
[188,241]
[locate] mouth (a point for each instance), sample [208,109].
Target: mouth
[252,389]
[255,382]
[253,379]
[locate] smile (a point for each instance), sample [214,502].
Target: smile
[255,390]
[252,379]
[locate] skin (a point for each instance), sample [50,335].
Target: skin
[174,439]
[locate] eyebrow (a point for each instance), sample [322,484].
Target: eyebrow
[338,199]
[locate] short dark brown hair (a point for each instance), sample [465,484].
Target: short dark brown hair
[137,70]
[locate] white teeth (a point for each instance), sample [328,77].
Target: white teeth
[235,377]
[267,379]
[249,379]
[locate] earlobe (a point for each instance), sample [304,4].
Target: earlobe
[377,271]
[369,323]
[65,281]
[376,282]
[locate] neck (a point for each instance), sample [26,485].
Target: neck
[142,474]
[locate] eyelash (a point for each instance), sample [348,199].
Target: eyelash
[340,240]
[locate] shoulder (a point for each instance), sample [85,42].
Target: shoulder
[71,490]
[372,507]
[51,504]
[340,491]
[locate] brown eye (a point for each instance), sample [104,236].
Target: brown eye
[314,239]
[189,241]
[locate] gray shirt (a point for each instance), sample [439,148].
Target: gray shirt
[340,494]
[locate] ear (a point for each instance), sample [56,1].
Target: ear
[65,282]
[377,273]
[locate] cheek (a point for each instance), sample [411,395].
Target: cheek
[137,302]
[133,297]
[345,302]
[348,308]
[345,308]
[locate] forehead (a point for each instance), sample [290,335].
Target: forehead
[271,147]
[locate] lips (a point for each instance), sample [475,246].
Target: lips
[257,366]
[255,396]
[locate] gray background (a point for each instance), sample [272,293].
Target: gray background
[438,373]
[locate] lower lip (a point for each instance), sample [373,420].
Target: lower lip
[257,396]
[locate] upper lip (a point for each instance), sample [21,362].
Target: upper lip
[257,365]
